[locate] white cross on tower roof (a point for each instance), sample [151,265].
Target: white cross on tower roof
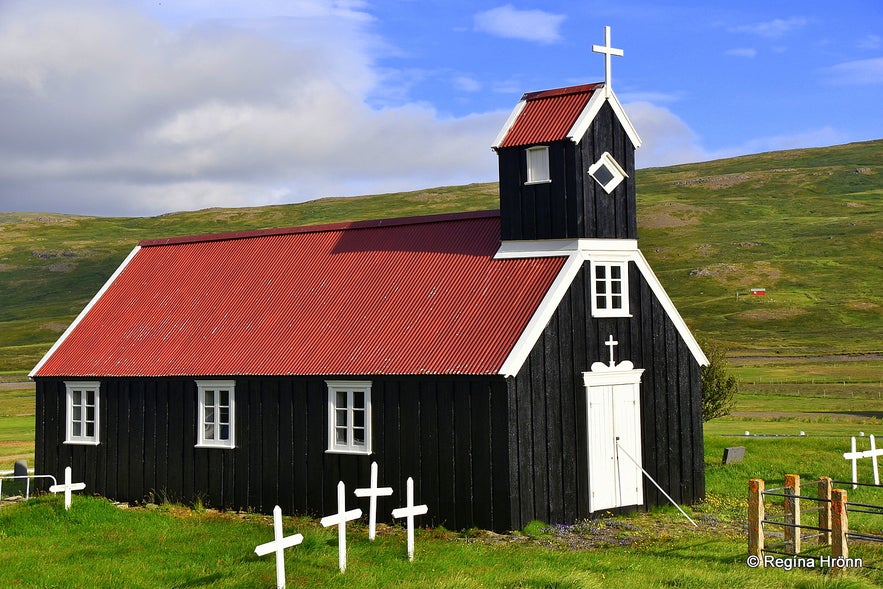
[608,52]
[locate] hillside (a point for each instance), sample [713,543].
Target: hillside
[804,224]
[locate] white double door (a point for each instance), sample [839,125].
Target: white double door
[614,438]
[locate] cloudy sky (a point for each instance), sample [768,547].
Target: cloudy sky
[141,107]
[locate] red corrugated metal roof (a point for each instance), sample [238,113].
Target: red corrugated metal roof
[548,115]
[406,296]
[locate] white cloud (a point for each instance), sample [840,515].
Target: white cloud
[666,139]
[773,29]
[742,52]
[105,110]
[871,42]
[467,84]
[863,72]
[528,25]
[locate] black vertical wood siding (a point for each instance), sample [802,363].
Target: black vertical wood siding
[571,205]
[449,433]
[548,434]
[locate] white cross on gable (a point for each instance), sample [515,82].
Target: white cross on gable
[278,545]
[409,511]
[611,343]
[67,487]
[340,519]
[373,492]
[608,52]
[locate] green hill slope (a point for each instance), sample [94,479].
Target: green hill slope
[804,224]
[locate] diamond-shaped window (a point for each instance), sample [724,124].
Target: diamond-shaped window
[607,172]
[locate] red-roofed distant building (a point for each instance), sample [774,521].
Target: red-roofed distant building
[519,364]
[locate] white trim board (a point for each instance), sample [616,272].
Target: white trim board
[584,120]
[83,313]
[576,257]
[509,122]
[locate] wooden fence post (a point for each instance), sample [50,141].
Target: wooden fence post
[824,495]
[839,524]
[792,513]
[755,519]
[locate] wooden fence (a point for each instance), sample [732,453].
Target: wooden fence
[831,523]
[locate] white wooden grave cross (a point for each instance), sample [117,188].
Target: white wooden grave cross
[409,511]
[373,492]
[854,455]
[340,518]
[278,545]
[608,52]
[67,487]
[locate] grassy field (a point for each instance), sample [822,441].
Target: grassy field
[803,224]
[98,544]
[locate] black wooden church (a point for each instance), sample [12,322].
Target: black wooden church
[519,364]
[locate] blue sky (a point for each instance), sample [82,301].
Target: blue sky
[141,107]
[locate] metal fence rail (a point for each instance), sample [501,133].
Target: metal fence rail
[28,478]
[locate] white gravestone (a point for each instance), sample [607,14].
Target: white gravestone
[409,511]
[67,487]
[339,519]
[373,492]
[279,544]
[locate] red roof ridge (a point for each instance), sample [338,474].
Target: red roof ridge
[369,224]
[562,91]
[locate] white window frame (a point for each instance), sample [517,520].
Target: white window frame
[608,162]
[608,294]
[203,387]
[347,414]
[84,388]
[537,160]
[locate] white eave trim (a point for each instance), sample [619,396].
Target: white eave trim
[609,250]
[584,120]
[509,122]
[84,312]
[543,248]
[542,315]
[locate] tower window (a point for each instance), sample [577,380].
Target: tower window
[607,172]
[538,165]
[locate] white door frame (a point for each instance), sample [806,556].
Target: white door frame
[613,416]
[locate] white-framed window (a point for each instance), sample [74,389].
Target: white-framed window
[607,172]
[610,289]
[82,412]
[215,426]
[349,416]
[538,164]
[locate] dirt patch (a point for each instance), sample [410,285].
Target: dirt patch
[771,314]
[714,182]
[740,275]
[671,214]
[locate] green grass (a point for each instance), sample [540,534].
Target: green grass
[97,544]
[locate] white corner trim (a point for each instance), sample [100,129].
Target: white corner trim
[84,312]
[584,121]
[670,308]
[542,315]
[509,122]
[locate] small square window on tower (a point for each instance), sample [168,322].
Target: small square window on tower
[538,165]
[607,172]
